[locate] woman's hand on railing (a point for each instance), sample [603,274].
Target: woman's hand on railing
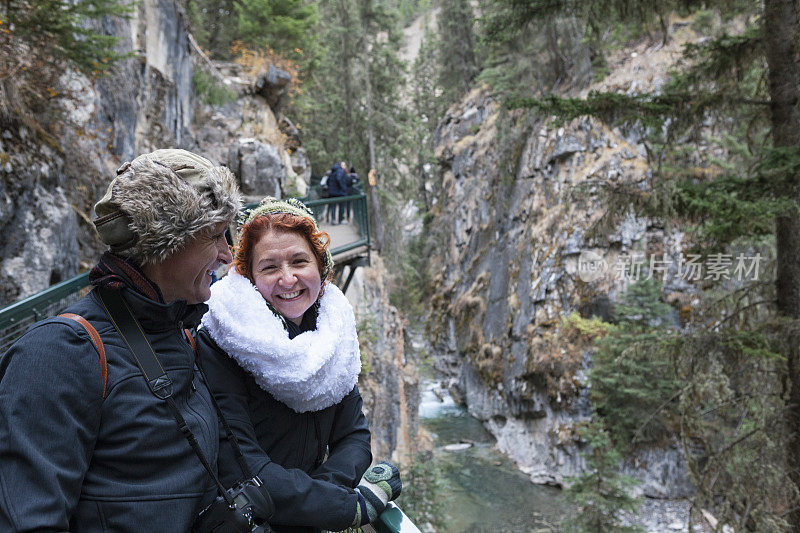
[380,485]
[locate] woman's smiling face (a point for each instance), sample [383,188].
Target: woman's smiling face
[286,273]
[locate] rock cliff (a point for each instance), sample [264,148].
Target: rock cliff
[389,382]
[515,247]
[51,179]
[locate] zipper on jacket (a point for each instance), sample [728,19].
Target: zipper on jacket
[193,370]
[302,458]
[320,447]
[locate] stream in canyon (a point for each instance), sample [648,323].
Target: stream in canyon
[484,490]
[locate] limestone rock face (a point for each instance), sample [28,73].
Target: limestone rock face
[51,180]
[258,166]
[273,86]
[147,102]
[249,134]
[389,382]
[39,247]
[512,220]
[301,165]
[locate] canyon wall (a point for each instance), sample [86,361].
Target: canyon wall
[52,177]
[516,245]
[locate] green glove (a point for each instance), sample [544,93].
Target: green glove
[380,485]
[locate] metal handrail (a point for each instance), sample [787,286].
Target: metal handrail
[36,303]
[15,317]
[394,520]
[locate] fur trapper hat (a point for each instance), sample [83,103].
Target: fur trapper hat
[159,201]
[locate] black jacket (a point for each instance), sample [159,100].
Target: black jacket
[287,450]
[72,461]
[337,181]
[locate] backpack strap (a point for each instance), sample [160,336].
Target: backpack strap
[98,344]
[191,340]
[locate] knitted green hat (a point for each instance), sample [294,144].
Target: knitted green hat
[160,201]
[292,206]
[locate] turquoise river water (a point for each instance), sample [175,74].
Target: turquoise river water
[485,491]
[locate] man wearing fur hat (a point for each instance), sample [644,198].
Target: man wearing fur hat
[85,445]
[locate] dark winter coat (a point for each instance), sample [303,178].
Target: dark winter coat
[73,461]
[337,181]
[288,449]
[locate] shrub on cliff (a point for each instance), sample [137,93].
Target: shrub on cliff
[423,485]
[41,39]
[211,90]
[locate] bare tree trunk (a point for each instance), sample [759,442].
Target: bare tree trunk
[347,54]
[780,32]
[555,56]
[374,201]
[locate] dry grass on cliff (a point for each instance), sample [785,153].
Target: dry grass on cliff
[557,356]
[28,87]
[256,62]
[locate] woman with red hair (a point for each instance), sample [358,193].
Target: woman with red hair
[279,349]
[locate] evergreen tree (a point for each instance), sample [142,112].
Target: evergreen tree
[424,483]
[428,104]
[522,54]
[602,493]
[358,82]
[456,50]
[633,383]
[41,39]
[736,84]
[59,30]
[214,25]
[328,109]
[282,25]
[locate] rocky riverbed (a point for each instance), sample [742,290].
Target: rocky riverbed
[486,491]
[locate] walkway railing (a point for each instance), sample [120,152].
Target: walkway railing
[394,520]
[323,207]
[17,317]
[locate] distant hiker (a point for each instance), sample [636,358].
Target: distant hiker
[337,186]
[324,192]
[352,181]
[323,185]
[355,180]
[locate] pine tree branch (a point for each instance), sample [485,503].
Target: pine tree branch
[638,432]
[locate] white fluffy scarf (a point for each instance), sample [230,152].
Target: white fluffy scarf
[313,371]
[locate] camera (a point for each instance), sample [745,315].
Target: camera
[250,500]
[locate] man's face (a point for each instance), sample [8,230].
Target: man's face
[187,274]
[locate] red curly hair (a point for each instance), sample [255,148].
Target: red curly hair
[252,232]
